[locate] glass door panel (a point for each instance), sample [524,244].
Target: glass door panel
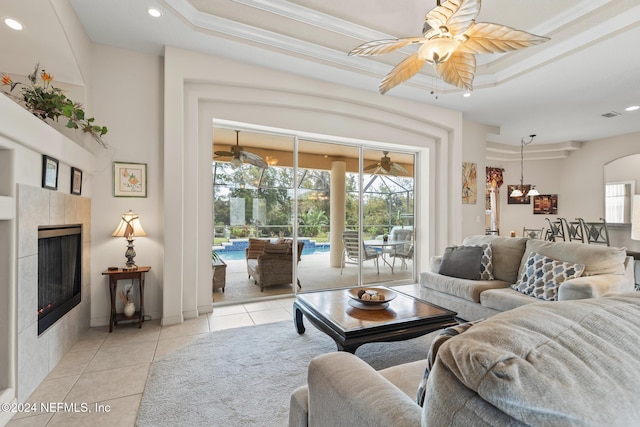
[387,205]
[253,206]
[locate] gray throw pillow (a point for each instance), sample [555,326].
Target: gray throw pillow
[462,262]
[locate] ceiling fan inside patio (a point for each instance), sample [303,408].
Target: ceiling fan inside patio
[239,155]
[386,166]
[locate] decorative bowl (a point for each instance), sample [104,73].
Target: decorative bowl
[356,293]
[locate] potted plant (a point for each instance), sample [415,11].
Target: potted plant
[48,102]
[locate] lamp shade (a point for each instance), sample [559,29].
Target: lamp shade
[129,226]
[635,219]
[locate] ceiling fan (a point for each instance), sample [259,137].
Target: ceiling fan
[451,38]
[385,166]
[239,156]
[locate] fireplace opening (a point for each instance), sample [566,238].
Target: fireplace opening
[59,272]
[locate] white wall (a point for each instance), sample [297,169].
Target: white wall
[235,91]
[126,96]
[474,145]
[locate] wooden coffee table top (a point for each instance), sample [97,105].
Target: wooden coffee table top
[406,317]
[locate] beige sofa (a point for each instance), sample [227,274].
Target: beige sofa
[607,270]
[565,363]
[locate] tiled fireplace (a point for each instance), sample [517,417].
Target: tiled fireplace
[39,354]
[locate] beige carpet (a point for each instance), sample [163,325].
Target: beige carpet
[245,376]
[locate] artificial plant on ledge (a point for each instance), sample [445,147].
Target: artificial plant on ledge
[49,102]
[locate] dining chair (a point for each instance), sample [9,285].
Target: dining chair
[533,233]
[595,233]
[575,230]
[556,230]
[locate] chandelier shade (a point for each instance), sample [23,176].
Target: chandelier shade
[518,191]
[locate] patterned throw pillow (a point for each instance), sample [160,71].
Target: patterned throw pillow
[486,263]
[443,336]
[541,276]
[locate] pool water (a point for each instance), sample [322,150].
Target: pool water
[239,255]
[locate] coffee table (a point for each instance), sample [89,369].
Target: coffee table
[406,317]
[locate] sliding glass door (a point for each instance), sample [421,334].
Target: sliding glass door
[347,208]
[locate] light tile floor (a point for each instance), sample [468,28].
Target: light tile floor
[104,374]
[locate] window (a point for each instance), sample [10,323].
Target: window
[617,201]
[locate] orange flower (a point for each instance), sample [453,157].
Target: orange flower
[46,77]
[125,173]
[133,180]
[6,80]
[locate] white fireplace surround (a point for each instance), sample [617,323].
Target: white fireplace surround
[38,355]
[25,357]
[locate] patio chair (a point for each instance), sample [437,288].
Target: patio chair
[404,252]
[351,250]
[595,232]
[274,265]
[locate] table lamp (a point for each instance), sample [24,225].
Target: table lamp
[129,228]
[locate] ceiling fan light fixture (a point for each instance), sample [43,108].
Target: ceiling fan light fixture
[235,162]
[438,50]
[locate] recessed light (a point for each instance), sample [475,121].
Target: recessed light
[467,94]
[13,24]
[632,108]
[154,12]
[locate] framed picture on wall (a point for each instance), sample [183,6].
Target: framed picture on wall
[129,179]
[49,172]
[76,181]
[545,204]
[522,200]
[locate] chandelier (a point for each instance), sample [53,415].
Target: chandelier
[450,39]
[518,191]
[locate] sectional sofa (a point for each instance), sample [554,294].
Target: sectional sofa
[606,270]
[523,361]
[566,363]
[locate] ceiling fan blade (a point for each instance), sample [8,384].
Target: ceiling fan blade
[372,166]
[253,159]
[397,169]
[223,153]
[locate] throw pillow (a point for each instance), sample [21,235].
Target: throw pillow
[277,248]
[541,276]
[486,264]
[256,248]
[443,336]
[462,262]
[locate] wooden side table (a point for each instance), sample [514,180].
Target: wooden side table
[120,274]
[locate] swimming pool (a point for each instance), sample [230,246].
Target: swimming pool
[226,255]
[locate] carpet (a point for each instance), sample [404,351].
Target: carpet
[245,376]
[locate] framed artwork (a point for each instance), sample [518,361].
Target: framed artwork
[546,204]
[76,181]
[129,179]
[522,200]
[469,183]
[49,172]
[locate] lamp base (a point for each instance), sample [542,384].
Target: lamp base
[130,254]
